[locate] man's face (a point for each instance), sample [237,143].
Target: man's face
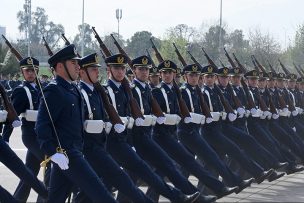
[118,72]
[301,86]
[271,83]
[253,82]
[236,80]
[201,80]
[167,76]
[291,84]
[154,79]
[142,73]
[262,83]
[29,74]
[93,73]
[280,83]
[73,68]
[209,79]
[223,80]
[192,78]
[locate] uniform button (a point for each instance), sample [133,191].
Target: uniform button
[118,105]
[73,104]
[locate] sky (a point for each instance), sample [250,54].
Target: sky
[280,18]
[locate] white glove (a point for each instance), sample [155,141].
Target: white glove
[253,111]
[232,117]
[16,123]
[275,116]
[61,160]
[119,128]
[247,113]
[294,129]
[160,120]
[263,116]
[285,110]
[187,119]
[241,111]
[178,119]
[108,127]
[294,113]
[139,121]
[288,113]
[209,120]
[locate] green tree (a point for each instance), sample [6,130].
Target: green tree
[138,44]
[90,46]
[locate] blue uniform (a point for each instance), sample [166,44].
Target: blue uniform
[123,153]
[99,158]
[34,155]
[66,109]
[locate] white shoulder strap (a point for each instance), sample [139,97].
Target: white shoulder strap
[190,98]
[112,96]
[252,97]
[140,100]
[29,96]
[166,99]
[86,98]
[209,100]
[293,98]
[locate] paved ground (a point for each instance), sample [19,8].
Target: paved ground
[287,189]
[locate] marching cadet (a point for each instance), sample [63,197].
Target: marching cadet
[59,128]
[213,132]
[25,101]
[130,74]
[96,125]
[117,144]
[154,79]
[189,134]
[9,158]
[247,142]
[147,148]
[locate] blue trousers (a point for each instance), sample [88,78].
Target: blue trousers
[79,174]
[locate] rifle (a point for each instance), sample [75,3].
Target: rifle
[271,68]
[255,64]
[224,101]
[47,47]
[67,42]
[229,58]
[148,53]
[157,54]
[120,49]
[272,107]
[204,107]
[298,70]
[194,59]
[243,69]
[259,65]
[11,112]
[180,57]
[284,68]
[102,46]
[13,50]
[210,61]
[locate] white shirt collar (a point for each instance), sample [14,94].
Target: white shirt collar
[118,84]
[33,85]
[91,87]
[143,84]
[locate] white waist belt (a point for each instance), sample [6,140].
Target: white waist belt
[3,116]
[172,119]
[149,120]
[94,126]
[223,115]
[257,114]
[30,115]
[128,122]
[216,116]
[197,118]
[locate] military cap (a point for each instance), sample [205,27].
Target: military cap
[116,60]
[263,76]
[129,72]
[167,65]
[28,62]
[252,74]
[272,75]
[223,71]
[192,68]
[281,76]
[90,60]
[209,70]
[300,80]
[179,71]
[142,61]
[153,71]
[67,53]
[236,71]
[291,77]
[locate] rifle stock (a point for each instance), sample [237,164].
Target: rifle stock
[11,112]
[224,101]
[184,111]
[204,107]
[13,50]
[47,47]
[102,46]
[250,100]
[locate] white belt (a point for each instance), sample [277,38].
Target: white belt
[198,118]
[216,116]
[3,116]
[128,122]
[172,119]
[94,126]
[149,120]
[223,115]
[257,114]
[30,115]
[283,113]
